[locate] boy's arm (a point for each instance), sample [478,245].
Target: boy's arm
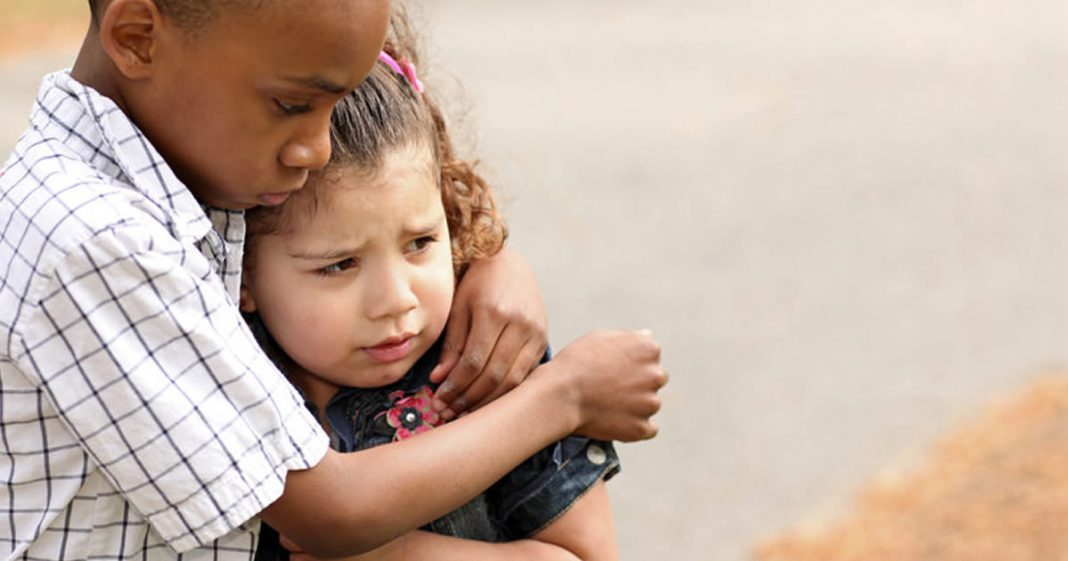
[497,332]
[150,367]
[603,385]
[426,546]
[584,533]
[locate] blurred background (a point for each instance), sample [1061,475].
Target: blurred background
[843,220]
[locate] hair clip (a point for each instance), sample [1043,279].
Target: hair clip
[404,68]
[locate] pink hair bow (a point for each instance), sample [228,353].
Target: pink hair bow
[404,68]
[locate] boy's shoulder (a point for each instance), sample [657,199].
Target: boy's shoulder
[52,202]
[84,190]
[80,169]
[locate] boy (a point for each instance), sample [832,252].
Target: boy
[137,415]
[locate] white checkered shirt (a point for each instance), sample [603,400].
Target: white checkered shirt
[138,417]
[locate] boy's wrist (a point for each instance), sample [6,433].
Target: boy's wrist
[560,392]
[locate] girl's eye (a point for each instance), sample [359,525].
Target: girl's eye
[420,243]
[291,108]
[339,267]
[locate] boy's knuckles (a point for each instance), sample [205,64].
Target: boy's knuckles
[496,310]
[652,406]
[497,374]
[650,349]
[471,362]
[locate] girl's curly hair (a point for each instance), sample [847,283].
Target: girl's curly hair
[385,114]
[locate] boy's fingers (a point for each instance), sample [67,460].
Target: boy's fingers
[477,349]
[524,363]
[496,371]
[446,362]
[455,337]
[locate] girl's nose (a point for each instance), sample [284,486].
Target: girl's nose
[391,294]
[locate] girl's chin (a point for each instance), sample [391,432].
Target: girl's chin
[383,375]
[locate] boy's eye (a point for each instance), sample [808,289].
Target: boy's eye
[339,267]
[420,243]
[292,108]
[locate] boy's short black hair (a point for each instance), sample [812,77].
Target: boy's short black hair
[190,14]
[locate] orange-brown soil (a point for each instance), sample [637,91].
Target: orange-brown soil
[997,490]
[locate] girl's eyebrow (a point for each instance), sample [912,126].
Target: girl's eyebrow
[425,227]
[326,255]
[417,229]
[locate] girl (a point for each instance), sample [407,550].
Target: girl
[349,284]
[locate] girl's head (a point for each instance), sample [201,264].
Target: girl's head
[353,276]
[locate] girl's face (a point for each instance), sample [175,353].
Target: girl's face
[358,291]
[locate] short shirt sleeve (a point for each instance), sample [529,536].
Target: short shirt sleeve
[548,483]
[151,367]
[543,487]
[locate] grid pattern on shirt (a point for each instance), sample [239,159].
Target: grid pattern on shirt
[138,417]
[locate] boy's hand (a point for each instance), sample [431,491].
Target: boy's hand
[495,336]
[614,377]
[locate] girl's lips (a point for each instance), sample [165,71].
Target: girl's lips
[391,350]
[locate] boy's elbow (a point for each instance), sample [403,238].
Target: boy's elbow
[316,515]
[338,532]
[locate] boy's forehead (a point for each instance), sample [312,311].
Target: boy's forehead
[195,15]
[323,46]
[190,14]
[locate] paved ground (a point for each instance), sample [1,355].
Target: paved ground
[844,222]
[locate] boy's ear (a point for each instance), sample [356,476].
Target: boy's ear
[129,34]
[245,302]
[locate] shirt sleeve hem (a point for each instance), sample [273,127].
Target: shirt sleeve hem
[245,507]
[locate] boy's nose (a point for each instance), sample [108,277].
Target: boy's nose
[308,151]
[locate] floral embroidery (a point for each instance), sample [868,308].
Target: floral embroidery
[411,414]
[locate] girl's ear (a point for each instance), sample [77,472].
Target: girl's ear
[129,34]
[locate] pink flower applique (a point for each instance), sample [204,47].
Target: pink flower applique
[412,414]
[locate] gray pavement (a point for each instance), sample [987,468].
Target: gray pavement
[844,221]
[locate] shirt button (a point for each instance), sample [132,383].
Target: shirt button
[595,454]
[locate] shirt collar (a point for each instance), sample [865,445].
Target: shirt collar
[124,142]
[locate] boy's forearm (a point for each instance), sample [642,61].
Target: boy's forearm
[425,546]
[353,503]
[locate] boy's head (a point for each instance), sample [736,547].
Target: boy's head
[190,14]
[235,94]
[364,254]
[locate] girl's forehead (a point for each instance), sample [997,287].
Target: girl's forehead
[350,188]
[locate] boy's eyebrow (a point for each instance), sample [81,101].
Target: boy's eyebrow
[317,82]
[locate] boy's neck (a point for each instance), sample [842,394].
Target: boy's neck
[94,69]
